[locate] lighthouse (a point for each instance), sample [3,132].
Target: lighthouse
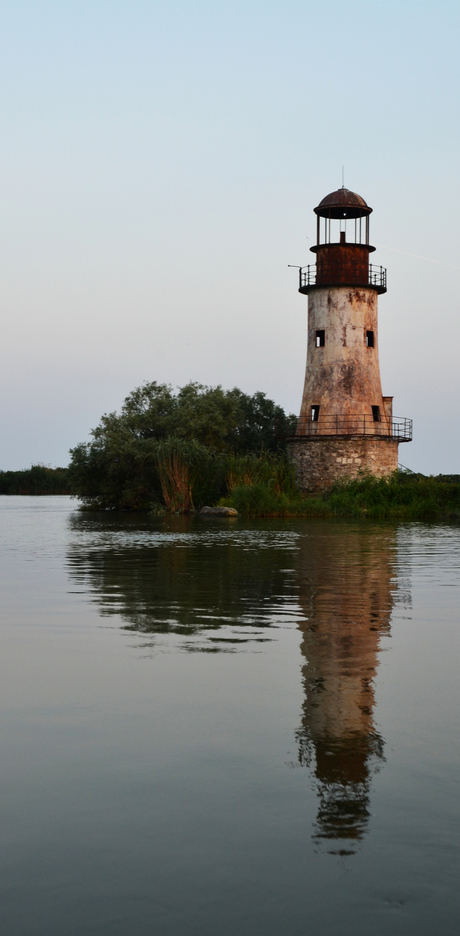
[346,425]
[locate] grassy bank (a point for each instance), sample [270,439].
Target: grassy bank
[400,497]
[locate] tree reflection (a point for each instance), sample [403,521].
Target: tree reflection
[212,584]
[346,592]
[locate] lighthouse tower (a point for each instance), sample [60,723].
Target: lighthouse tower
[346,426]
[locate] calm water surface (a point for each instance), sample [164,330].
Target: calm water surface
[214,727]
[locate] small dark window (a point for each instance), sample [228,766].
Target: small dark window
[320,338]
[369,339]
[376,413]
[314,413]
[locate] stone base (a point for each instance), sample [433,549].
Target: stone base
[321,460]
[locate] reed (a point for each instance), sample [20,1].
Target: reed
[190,474]
[175,483]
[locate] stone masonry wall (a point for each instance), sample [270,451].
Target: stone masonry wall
[320,461]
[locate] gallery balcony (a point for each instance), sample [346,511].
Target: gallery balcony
[342,274]
[398,428]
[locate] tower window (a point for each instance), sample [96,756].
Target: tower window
[376,413]
[369,339]
[320,338]
[315,413]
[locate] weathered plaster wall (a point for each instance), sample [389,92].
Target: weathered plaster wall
[320,461]
[343,377]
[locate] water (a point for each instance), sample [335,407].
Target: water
[216,726]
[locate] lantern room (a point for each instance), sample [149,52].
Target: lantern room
[342,245]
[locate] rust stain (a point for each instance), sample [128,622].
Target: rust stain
[347,379]
[342,264]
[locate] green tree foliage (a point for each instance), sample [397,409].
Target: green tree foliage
[38,479]
[227,420]
[173,448]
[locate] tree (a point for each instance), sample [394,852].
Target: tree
[121,466]
[38,479]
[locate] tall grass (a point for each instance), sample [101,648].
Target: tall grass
[398,497]
[192,476]
[265,486]
[262,500]
[182,465]
[275,471]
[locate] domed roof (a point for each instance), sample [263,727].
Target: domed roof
[343,204]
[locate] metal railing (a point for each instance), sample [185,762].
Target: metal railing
[307,275]
[398,427]
[377,276]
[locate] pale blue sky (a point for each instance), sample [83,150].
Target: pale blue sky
[159,163]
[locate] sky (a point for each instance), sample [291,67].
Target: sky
[159,166]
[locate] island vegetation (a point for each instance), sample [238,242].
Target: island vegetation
[178,451]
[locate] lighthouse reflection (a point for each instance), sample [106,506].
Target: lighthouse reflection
[186,586]
[345,590]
